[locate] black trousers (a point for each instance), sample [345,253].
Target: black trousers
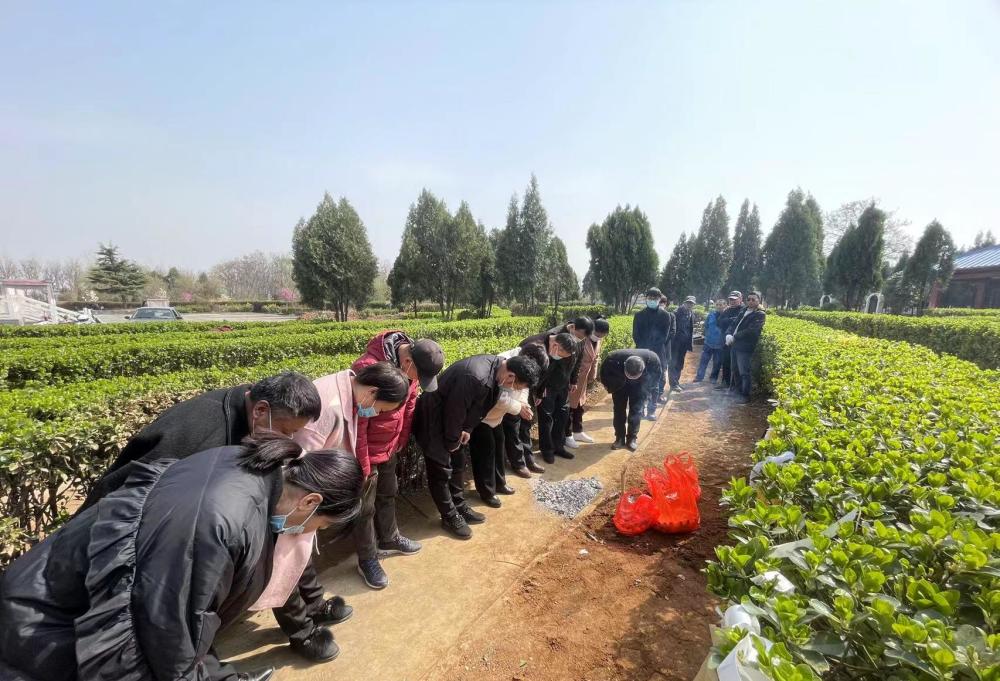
[574,424]
[518,451]
[380,523]
[727,365]
[552,415]
[445,469]
[628,405]
[676,366]
[487,451]
[295,616]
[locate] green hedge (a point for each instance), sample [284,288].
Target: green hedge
[886,524]
[975,339]
[962,312]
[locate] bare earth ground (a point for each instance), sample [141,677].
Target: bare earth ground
[519,602]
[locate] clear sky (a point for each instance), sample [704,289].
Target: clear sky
[188,133]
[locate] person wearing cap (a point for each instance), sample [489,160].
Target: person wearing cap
[742,338]
[683,341]
[630,376]
[382,437]
[651,328]
[726,319]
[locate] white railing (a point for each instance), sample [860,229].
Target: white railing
[30,311]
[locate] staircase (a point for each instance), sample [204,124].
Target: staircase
[21,310]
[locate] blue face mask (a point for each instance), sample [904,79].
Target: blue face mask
[367,412]
[277,523]
[652,304]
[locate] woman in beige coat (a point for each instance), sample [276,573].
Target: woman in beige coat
[591,347]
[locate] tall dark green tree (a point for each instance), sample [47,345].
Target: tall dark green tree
[510,272]
[712,251]
[535,235]
[406,281]
[854,266]
[745,269]
[589,286]
[623,260]
[675,279]
[930,266]
[115,277]
[332,260]
[790,273]
[558,279]
[484,286]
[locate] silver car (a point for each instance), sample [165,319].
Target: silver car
[154,314]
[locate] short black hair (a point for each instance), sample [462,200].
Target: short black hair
[392,385]
[585,324]
[601,325]
[567,341]
[654,293]
[288,393]
[755,293]
[634,366]
[537,353]
[525,369]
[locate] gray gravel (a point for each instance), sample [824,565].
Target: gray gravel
[566,497]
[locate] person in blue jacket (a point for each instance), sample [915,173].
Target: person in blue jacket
[714,343]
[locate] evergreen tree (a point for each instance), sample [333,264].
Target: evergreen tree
[623,260]
[984,240]
[558,280]
[510,273]
[332,262]
[854,267]
[114,276]
[534,238]
[590,290]
[406,282]
[675,279]
[790,271]
[712,252]
[484,286]
[931,264]
[745,270]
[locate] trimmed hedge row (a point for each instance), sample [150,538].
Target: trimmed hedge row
[975,339]
[962,312]
[876,553]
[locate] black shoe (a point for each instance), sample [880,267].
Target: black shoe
[333,611]
[457,526]
[371,571]
[677,388]
[698,380]
[662,399]
[721,386]
[400,546]
[650,416]
[549,459]
[618,443]
[523,472]
[632,444]
[256,675]
[492,502]
[565,455]
[534,467]
[471,517]
[505,489]
[319,647]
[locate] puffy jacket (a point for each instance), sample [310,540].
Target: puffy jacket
[382,436]
[714,338]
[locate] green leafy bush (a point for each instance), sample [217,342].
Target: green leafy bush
[886,524]
[962,312]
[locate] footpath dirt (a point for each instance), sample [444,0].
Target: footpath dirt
[533,597]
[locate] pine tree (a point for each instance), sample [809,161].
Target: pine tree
[712,252]
[790,271]
[332,262]
[932,263]
[534,238]
[676,276]
[116,277]
[854,267]
[745,270]
[623,260]
[558,280]
[510,282]
[406,281]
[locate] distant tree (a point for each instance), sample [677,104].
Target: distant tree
[536,234]
[984,240]
[510,272]
[590,291]
[381,292]
[333,264]
[484,284]
[115,277]
[675,279]
[254,276]
[453,269]
[623,260]
[745,269]
[558,280]
[405,278]
[854,266]
[712,252]
[836,222]
[932,263]
[790,271]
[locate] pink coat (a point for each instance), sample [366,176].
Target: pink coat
[337,425]
[588,372]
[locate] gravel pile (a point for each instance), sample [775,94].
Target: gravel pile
[566,497]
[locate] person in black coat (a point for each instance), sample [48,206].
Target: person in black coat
[683,341]
[743,337]
[551,395]
[630,376]
[137,586]
[651,330]
[723,321]
[444,421]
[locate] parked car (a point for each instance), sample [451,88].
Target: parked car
[154,314]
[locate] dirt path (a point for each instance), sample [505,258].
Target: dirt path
[519,601]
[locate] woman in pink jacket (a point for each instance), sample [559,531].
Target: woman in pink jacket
[588,373]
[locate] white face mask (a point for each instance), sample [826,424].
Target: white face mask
[594,337]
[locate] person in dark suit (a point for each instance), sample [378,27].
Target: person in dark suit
[630,376]
[683,341]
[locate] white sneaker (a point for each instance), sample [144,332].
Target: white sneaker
[583,437]
[571,443]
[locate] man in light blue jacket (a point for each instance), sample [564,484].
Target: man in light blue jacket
[714,343]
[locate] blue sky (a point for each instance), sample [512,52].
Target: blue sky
[188,133]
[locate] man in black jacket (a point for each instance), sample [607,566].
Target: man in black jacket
[630,376]
[651,330]
[683,341]
[551,395]
[742,337]
[444,421]
[723,321]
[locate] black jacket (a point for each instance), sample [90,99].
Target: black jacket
[746,329]
[577,357]
[214,419]
[467,390]
[727,318]
[560,373]
[684,338]
[652,329]
[613,370]
[136,587]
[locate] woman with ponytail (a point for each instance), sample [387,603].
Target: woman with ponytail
[136,587]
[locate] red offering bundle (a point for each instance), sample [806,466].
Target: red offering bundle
[635,513]
[671,504]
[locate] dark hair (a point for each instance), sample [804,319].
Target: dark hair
[755,293]
[585,324]
[332,473]
[391,383]
[601,325]
[634,366]
[288,393]
[537,353]
[665,300]
[567,341]
[653,293]
[525,369]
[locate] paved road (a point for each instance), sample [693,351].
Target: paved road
[119,316]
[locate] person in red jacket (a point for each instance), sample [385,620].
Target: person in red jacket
[381,438]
